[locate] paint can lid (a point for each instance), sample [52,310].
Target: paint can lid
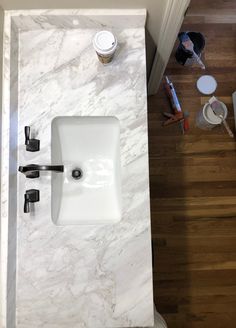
[207,84]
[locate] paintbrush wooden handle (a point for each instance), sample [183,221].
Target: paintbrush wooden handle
[227,128]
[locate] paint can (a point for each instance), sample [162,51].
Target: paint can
[207,120]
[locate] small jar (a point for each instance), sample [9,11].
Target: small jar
[105,44]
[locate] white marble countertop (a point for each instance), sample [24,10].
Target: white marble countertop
[79,276]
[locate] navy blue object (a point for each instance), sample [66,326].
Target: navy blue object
[198,41]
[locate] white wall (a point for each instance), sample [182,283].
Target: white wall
[171,23]
[155,8]
[1,45]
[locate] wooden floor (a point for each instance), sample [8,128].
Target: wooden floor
[193,193]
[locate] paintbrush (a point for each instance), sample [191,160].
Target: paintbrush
[219,111]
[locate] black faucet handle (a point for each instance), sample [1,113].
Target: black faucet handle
[27,135]
[31,196]
[31,144]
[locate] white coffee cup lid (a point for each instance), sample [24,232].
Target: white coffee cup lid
[104,42]
[206,84]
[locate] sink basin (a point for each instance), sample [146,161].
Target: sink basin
[89,189]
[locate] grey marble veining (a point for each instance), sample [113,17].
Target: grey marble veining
[79,276]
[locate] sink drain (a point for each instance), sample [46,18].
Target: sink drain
[77,174]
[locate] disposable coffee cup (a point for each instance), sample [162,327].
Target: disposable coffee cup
[105,44]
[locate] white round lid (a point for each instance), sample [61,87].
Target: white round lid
[206,84]
[104,42]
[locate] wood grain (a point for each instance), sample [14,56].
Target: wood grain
[193,186]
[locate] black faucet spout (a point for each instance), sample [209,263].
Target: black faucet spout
[32,170]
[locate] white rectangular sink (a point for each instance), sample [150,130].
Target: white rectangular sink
[89,149]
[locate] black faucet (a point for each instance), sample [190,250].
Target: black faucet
[31,144]
[31,196]
[32,171]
